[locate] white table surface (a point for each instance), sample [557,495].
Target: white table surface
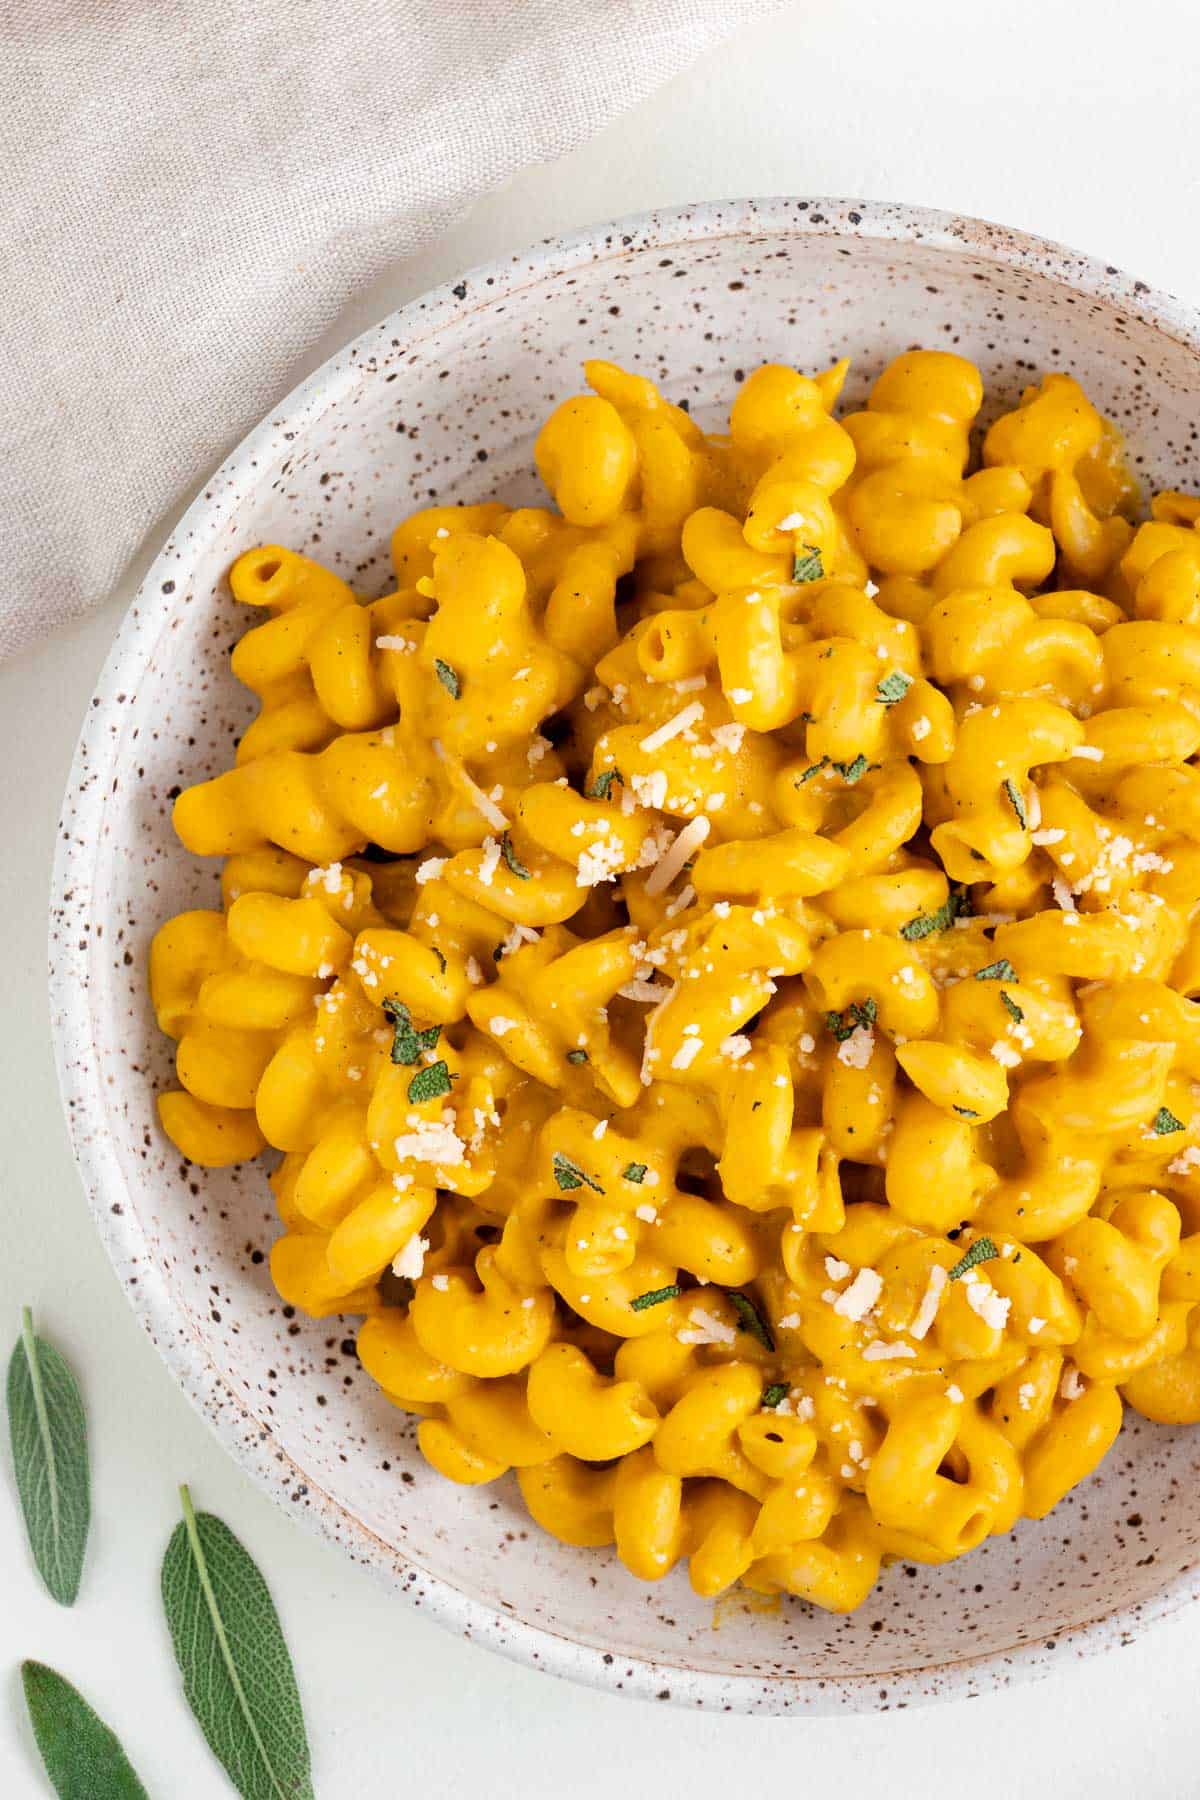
[1067,120]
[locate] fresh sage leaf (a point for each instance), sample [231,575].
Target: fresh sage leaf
[83,1758]
[237,1674]
[48,1433]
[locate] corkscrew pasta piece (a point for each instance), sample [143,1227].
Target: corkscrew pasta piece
[718,957]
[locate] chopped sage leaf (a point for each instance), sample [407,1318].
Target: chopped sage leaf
[893,687]
[957,905]
[569,1175]
[601,788]
[634,1172]
[749,1318]
[430,1083]
[773,1393]
[577,1056]
[981,1251]
[655,1297]
[1018,802]
[1011,1007]
[851,772]
[512,859]
[813,769]
[807,564]
[998,971]
[965,1112]
[844,1024]
[407,1042]
[448,677]
[1165,1122]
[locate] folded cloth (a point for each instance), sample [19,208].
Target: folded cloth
[191,193]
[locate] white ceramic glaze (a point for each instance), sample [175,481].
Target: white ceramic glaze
[444,399]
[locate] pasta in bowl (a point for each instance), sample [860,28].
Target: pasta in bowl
[717,958]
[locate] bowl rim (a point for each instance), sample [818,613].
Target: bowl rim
[77,850]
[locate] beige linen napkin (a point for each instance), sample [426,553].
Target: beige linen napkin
[193,188]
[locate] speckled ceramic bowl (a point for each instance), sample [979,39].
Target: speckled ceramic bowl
[444,399]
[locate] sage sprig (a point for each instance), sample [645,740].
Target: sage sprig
[48,1433]
[83,1758]
[237,1674]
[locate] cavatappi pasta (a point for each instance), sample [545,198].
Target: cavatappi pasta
[718,958]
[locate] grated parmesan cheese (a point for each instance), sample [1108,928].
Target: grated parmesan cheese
[433,1141]
[706,1328]
[650,790]
[682,721]
[856,1301]
[603,862]
[409,1260]
[982,1298]
[491,861]
[686,843]
[483,804]
[856,1050]
[931,1299]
